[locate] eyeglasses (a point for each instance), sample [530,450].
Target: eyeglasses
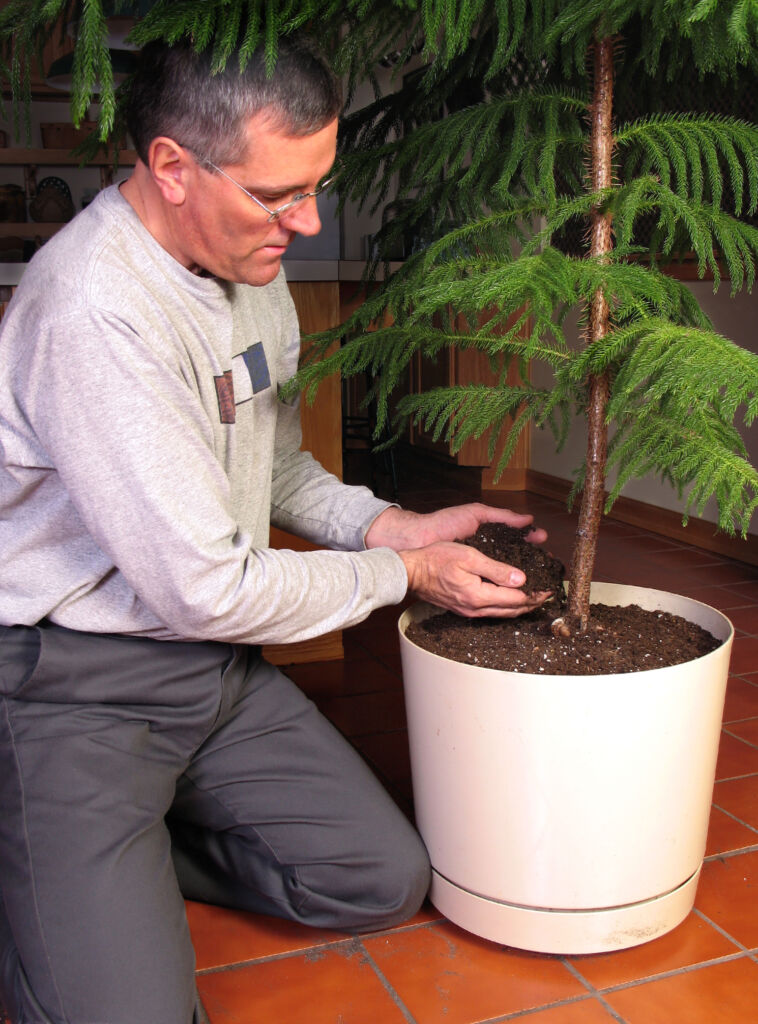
[273,214]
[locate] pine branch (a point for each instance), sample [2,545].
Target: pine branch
[686,367]
[467,411]
[703,454]
[708,231]
[454,167]
[678,146]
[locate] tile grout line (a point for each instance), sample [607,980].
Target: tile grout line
[737,778]
[723,931]
[525,1014]
[753,746]
[729,854]
[734,817]
[572,969]
[743,954]
[273,957]
[742,676]
[388,988]
[333,944]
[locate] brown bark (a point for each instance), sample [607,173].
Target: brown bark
[593,495]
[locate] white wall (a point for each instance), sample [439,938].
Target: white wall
[735,318]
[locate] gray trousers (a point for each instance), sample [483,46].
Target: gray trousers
[133,772]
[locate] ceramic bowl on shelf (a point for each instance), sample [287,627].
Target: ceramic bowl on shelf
[53,202]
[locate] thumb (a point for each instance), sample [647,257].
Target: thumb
[500,573]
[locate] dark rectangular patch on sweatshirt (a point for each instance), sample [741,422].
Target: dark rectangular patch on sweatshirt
[225,395]
[257,367]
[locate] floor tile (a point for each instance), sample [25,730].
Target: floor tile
[745,620]
[686,557]
[720,994]
[326,988]
[740,798]
[741,700]
[726,835]
[585,1011]
[735,757]
[653,543]
[388,754]
[728,896]
[340,678]
[365,713]
[722,598]
[747,591]
[747,730]
[693,942]
[384,645]
[446,976]
[222,937]
[431,972]
[744,655]
[731,573]
[426,915]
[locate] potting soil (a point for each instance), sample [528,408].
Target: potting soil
[619,638]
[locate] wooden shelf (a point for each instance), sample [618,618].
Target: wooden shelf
[62,158]
[28,229]
[31,159]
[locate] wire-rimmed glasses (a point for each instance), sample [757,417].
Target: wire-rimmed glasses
[272,214]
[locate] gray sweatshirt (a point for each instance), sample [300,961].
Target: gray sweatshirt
[144,452]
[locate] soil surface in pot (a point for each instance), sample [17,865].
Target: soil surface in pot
[619,639]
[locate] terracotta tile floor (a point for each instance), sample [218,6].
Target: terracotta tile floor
[255,970]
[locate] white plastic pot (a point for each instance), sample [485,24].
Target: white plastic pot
[566,814]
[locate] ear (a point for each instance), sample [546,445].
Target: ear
[170,165]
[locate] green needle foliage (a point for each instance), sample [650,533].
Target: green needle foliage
[484,146]
[222,25]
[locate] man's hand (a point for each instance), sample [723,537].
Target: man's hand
[456,576]
[399,529]
[463,580]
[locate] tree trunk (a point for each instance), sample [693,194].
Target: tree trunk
[593,495]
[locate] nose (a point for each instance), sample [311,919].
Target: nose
[303,217]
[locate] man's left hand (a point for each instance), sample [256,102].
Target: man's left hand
[402,530]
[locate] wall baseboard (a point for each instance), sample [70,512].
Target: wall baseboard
[698,532]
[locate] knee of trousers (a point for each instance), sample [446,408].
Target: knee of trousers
[379,890]
[398,883]
[411,878]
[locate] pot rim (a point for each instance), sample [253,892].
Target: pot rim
[423,609]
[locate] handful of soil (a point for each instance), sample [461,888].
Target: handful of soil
[509,544]
[620,639]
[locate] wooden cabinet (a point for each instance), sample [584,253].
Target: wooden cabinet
[450,367]
[459,366]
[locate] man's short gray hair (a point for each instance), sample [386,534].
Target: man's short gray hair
[175,93]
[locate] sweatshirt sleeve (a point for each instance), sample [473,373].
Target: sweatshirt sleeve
[131,446]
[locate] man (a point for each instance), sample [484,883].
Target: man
[147,751]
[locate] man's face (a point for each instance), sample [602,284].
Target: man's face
[222,231]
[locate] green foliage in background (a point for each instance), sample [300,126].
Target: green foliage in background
[481,144]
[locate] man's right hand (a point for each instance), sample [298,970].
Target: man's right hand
[461,579]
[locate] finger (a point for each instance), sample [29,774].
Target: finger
[498,612]
[518,520]
[507,597]
[537,535]
[506,515]
[500,573]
